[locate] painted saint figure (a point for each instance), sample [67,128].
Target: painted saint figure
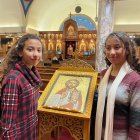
[71,31]
[70,50]
[50,46]
[91,48]
[67,98]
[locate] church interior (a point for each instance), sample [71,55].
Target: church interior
[47,20]
[69,29]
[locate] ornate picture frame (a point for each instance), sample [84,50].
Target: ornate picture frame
[77,99]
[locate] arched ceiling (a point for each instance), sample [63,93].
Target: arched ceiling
[48,15]
[12,17]
[52,13]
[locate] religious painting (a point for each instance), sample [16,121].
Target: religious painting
[70,50]
[52,36]
[89,35]
[71,31]
[45,36]
[58,47]
[50,46]
[82,47]
[92,47]
[56,36]
[69,91]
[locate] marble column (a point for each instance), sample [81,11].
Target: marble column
[105,26]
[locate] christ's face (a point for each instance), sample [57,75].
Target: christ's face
[72,83]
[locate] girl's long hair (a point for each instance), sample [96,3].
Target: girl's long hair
[129,45]
[12,56]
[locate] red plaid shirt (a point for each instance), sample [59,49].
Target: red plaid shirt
[20,93]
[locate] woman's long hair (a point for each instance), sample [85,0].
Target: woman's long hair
[12,56]
[129,45]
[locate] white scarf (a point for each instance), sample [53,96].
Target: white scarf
[125,69]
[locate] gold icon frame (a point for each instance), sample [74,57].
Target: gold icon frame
[50,117]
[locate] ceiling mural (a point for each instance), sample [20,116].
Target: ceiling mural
[26,4]
[83,22]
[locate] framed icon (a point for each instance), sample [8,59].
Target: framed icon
[69,91]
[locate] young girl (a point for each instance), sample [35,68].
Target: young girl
[118,108]
[20,90]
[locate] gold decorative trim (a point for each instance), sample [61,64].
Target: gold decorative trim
[50,121]
[77,123]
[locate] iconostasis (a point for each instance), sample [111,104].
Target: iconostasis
[66,42]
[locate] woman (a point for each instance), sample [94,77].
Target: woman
[118,108]
[20,90]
